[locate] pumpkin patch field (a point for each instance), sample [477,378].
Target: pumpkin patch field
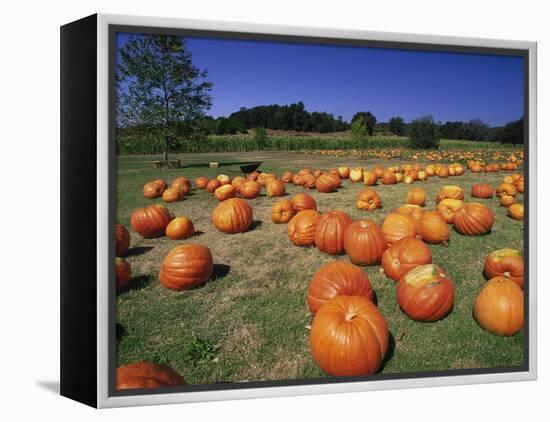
[226,277]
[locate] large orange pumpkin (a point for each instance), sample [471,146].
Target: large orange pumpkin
[506,189]
[171,195]
[329,233]
[286,177]
[182,184]
[253,176]
[434,228]
[225,192]
[396,226]
[282,211]
[212,185]
[426,293]
[151,221]
[146,375]
[415,211]
[356,174]
[364,242]
[304,201]
[275,188]
[224,179]
[343,172]
[232,216]
[474,219]
[301,228]
[186,266]
[180,228]
[201,182]
[153,189]
[499,307]
[334,279]
[349,336]
[123,273]
[309,181]
[516,211]
[451,192]
[388,177]
[238,181]
[326,183]
[250,189]
[416,196]
[405,255]
[122,238]
[482,190]
[370,178]
[448,208]
[368,199]
[505,263]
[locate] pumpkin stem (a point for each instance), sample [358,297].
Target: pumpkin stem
[506,274]
[350,316]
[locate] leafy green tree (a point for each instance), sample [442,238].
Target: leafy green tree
[158,85]
[423,133]
[396,125]
[513,132]
[368,117]
[359,131]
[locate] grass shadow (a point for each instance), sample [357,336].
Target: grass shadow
[220,271]
[198,233]
[139,282]
[391,350]
[139,250]
[255,224]
[120,331]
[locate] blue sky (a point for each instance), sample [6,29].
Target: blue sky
[342,80]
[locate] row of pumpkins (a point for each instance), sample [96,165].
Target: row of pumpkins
[340,293]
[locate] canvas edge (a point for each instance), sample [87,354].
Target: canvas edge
[103,398]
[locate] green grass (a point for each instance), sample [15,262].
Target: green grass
[250,322]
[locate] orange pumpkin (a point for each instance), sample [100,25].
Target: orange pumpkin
[505,263]
[201,182]
[181,183]
[180,228]
[224,179]
[232,216]
[212,185]
[146,375]
[225,192]
[368,200]
[506,189]
[388,178]
[364,242]
[482,190]
[298,179]
[356,174]
[426,293]
[329,233]
[506,200]
[434,228]
[309,181]
[334,279]
[416,196]
[415,211]
[405,255]
[237,181]
[151,221]
[451,192]
[448,208]
[370,178]
[123,273]
[287,177]
[499,307]
[443,172]
[301,228]
[349,336]
[282,211]
[171,195]
[275,188]
[396,226]
[326,183]
[304,201]
[250,189]
[186,266]
[253,176]
[152,190]
[474,219]
[343,172]
[516,211]
[122,238]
